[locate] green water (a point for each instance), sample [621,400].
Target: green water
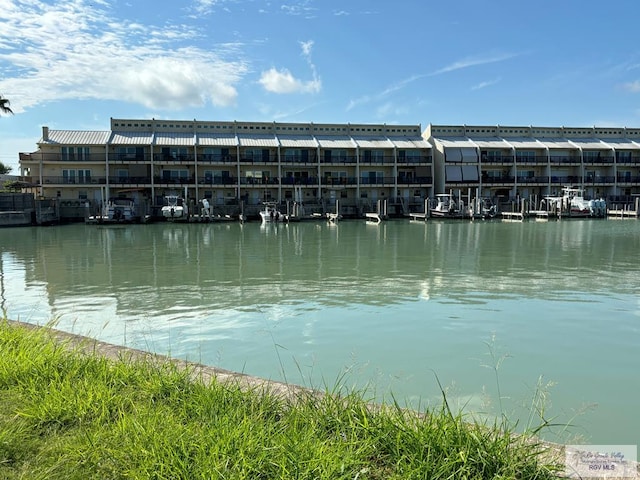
[491,308]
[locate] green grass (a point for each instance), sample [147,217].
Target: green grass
[65,414]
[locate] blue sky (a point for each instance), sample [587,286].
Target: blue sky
[75,64]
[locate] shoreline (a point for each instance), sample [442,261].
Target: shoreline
[206,374]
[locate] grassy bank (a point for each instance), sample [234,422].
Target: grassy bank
[65,414]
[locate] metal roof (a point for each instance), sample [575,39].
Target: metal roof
[297,141]
[590,143]
[174,139]
[257,140]
[523,142]
[491,142]
[335,142]
[131,138]
[368,142]
[75,137]
[216,140]
[457,142]
[410,142]
[558,143]
[622,144]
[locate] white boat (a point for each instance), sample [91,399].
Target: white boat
[117,210]
[573,203]
[446,207]
[487,209]
[270,213]
[176,208]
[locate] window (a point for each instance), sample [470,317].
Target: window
[372,177]
[68,176]
[84,176]
[130,153]
[74,153]
[175,153]
[525,156]
[173,175]
[373,156]
[216,154]
[409,156]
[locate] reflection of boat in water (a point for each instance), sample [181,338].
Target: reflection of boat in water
[573,203]
[117,210]
[446,207]
[270,213]
[176,208]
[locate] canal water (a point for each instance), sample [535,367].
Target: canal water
[523,320]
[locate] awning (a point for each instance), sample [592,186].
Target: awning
[297,141]
[559,144]
[335,142]
[467,154]
[168,139]
[590,144]
[259,141]
[493,142]
[366,142]
[216,140]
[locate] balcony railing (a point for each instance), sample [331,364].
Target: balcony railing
[535,160]
[164,157]
[59,180]
[563,159]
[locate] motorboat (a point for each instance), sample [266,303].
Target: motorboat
[175,209]
[573,203]
[486,208]
[270,213]
[116,210]
[445,206]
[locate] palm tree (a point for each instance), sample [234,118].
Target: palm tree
[4,105]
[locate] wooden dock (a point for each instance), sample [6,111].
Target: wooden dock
[513,216]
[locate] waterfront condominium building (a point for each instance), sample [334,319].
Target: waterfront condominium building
[509,161]
[235,164]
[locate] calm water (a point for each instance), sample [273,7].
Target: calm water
[491,308]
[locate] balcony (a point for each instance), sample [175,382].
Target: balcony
[338,160]
[59,180]
[501,160]
[67,158]
[173,159]
[125,158]
[377,160]
[535,160]
[216,158]
[173,181]
[415,160]
[217,180]
[120,180]
[564,160]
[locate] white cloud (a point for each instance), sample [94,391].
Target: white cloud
[78,50]
[282,81]
[486,84]
[472,62]
[633,87]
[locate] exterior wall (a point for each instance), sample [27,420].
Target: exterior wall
[514,161]
[233,163]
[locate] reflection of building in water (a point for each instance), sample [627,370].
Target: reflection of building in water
[189,267]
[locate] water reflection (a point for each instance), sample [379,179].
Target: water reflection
[397,300]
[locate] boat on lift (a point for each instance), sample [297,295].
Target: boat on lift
[573,204]
[271,214]
[175,208]
[445,206]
